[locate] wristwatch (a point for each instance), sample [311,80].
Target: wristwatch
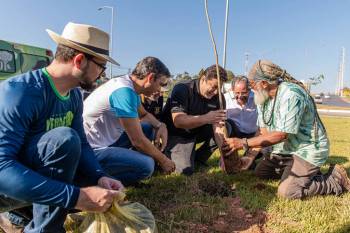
[245,144]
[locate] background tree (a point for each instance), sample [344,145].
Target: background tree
[346,91]
[230,75]
[313,81]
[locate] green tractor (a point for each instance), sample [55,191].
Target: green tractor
[19,58]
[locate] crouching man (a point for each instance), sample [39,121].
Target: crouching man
[289,122]
[44,154]
[112,124]
[191,112]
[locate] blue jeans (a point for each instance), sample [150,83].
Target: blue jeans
[54,154]
[128,166]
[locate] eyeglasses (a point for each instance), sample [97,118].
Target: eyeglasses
[102,67]
[241,93]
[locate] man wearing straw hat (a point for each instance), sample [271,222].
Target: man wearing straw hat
[289,122]
[45,159]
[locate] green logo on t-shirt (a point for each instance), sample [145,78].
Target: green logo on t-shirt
[55,122]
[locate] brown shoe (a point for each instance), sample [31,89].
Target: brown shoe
[7,226]
[342,176]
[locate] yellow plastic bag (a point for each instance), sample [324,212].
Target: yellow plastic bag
[120,218]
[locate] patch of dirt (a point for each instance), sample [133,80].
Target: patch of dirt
[216,188]
[260,186]
[238,219]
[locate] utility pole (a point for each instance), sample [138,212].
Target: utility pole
[340,78]
[246,63]
[111,36]
[225,36]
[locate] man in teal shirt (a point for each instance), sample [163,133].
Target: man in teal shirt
[288,121]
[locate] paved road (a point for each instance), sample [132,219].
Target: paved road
[336,101]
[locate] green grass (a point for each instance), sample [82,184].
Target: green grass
[186,204]
[183,204]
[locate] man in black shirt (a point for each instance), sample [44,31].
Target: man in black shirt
[190,114]
[153,104]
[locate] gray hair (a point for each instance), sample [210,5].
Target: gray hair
[239,79]
[150,65]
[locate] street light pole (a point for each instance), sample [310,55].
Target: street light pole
[225,36]
[111,35]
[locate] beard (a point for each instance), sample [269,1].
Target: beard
[260,96]
[85,83]
[87,86]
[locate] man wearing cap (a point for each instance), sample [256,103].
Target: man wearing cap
[44,155]
[112,124]
[289,122]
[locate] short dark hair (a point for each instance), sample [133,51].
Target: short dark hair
[210,73]
[65,53]
[150,65]
[238,79]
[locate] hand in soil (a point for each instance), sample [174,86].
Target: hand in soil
[230,145]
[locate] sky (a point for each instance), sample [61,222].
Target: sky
[304,37]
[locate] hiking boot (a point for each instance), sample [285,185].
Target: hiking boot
[9,227]
[339,173]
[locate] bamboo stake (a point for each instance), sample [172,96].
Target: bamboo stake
[216,59]
[232,163]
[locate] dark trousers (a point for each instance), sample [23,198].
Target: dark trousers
[182,150]
[299,178]
[54,154]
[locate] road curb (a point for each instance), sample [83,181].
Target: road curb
[334,112]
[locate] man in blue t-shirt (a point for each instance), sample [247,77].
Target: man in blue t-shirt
[45,159]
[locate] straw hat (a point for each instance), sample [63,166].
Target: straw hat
[84,38]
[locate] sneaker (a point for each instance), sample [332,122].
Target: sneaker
[9,227]
[341,175]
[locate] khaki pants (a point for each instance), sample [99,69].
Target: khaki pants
[299,178]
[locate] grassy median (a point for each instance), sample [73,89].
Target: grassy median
[210,201]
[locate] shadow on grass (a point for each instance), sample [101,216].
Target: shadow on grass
[337,159]
[207,201]
[343,229]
